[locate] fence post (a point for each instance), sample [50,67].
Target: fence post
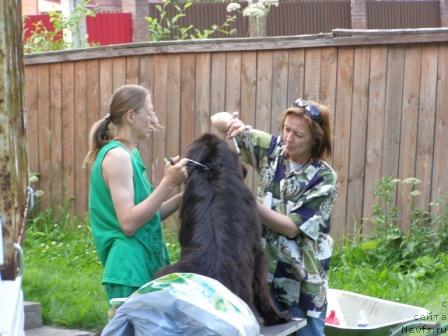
[444,13]
[257,26]
[76,35]
[359,14]
[13,158]
[139,10]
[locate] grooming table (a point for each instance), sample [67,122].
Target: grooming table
[283,329]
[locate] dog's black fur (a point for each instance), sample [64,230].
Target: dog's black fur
[220,231]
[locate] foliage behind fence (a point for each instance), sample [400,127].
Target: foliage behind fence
[387,94]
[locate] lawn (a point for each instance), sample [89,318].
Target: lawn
[62,270]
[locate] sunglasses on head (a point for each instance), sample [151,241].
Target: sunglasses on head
[310,109]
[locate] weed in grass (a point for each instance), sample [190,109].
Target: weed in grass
[63,272]
[405,266]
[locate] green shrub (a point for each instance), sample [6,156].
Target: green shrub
[168,27]
[391,263]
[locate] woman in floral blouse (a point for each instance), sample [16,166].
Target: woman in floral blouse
[296,194]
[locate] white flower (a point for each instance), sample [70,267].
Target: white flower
[253,11]
[268,3]
[411,180]
[34,179]
[233,6]
[38,193]
[415,193]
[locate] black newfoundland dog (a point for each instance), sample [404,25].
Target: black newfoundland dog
[220,231]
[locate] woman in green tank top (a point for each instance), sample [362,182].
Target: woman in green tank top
[125,210]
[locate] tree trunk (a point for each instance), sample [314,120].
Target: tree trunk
[13,154]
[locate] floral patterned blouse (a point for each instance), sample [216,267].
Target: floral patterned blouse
[297,267]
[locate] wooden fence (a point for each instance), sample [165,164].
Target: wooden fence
[388,95]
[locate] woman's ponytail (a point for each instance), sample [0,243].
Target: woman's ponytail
[99,135]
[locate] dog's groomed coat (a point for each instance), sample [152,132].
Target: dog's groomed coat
[220,231]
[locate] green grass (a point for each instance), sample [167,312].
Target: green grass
[63,273]
[62,270]
[404,286]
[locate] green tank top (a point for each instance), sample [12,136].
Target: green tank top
[130,261]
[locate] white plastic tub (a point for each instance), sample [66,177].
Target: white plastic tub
[382,315]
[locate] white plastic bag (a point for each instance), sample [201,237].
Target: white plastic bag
[183,304]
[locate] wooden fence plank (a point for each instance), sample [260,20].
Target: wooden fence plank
[279,88]
[32,118]
[68,140]
[187,99]
[355,184]
[296,71]
[202,94]
[106,87]
[56,175]
[327,94]
[439,177]
[328,71]
[160,105]
[409,125]
[312,73]
[248,97]
[426,120]
[80,135]
[392,109]
[93,102]
[375,122]
[264,88]
[217,81]
[173,105]
[233,82]
[118,72]
[342,136]
[132,70]
[146,65]
[44,145]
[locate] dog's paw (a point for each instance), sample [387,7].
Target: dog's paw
[283,317]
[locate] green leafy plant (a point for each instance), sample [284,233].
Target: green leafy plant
[168,27]
[43,39]
[415,251]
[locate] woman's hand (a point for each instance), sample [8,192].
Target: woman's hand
[228,124]
[235,126]
[176,171]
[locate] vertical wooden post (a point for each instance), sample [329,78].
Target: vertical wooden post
[139,10]
[444,13]
[359,14]
[257,26]
[13,155]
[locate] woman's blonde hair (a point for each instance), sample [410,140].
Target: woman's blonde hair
[319,122]
[125,98]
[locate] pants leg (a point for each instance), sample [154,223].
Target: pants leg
[314,326]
